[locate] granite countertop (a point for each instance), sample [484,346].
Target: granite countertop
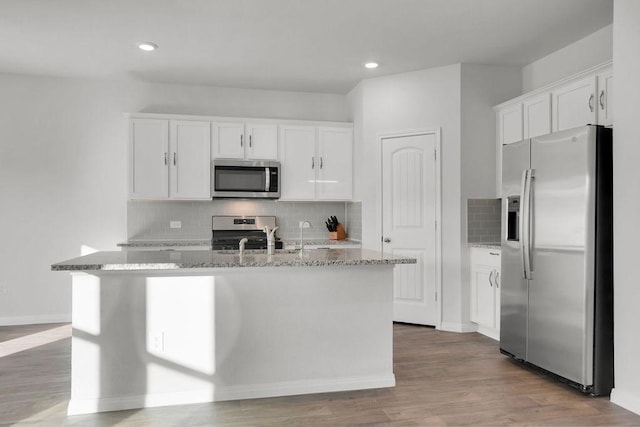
[206,243]
[177,260]
[490,245]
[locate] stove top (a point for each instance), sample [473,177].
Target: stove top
[227,231]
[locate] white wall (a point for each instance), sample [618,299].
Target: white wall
[626,152]
[592,50]
[426,99]
[63,161]
[482,87]
[458,100]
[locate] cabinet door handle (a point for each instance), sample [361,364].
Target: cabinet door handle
[491,278]
[250,140]
[313,163]
[320,162]
[241,141]
[386,240]
[494,253]
[602,99]
[174,158]
[166,156]
[495,279]
[591,103]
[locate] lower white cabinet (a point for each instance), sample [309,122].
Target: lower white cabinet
[485,290]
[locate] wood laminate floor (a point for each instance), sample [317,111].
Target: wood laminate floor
[442,378]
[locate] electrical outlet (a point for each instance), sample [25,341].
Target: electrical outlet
[304,224]
[157,342]
[175,224]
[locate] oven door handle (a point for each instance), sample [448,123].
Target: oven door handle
[268,179]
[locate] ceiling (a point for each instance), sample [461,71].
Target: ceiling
[301,45]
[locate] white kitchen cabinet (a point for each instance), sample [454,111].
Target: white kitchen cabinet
[485,290]
[574,104]
[605,97]
[254,141]
[335,172]
[169,159]
[537,115]
[298,162]
[582,99]
[190,162]
[148,159]
[316,163]
[510,124]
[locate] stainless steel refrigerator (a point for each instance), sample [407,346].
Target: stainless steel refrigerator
[557,256]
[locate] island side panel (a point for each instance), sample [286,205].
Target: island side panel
[175,337]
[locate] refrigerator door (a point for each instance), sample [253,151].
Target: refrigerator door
[513,290]
[561,289]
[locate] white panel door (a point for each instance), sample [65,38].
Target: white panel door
[148,159]
[228,141]
[263,142]
[190,160]
[409,204]
[298,162]
[574,104]
[482,295]
[537,116]
[335,164]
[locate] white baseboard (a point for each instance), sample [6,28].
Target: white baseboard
[221,393]
[35,320]
[489,332]
[629,401]
[458,327]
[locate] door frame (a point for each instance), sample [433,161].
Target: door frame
[438,213]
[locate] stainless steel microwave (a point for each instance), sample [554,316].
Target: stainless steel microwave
[246,179]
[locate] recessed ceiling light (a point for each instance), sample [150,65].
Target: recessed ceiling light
[371,65]
[147,46]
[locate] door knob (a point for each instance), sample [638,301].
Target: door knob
[386,240]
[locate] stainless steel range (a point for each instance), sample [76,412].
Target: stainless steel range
[227,231]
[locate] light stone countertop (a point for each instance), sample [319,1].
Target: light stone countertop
[206,243]
[485,245]
[178,260]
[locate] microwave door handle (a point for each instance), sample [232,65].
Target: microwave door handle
[268,180]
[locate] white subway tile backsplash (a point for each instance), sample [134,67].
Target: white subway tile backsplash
[483,220]
[151,219]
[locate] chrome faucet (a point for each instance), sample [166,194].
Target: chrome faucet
[242,242]
[302,224]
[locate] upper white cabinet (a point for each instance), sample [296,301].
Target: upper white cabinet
[586,98]
[605,97]
[148,159]
[335,172]
[510,124]
[537,115]
[574,104]
[169,159]
[485,290]
[245,141]
[190,162]
[316,163]
[298,162]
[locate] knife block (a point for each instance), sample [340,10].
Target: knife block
[339,234]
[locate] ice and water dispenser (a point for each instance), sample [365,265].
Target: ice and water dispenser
[513,218]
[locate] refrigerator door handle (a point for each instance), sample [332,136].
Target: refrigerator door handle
[525,223]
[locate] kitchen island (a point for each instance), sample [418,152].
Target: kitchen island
[154,328]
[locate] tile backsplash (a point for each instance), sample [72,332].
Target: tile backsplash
[483,220]
[149,220]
